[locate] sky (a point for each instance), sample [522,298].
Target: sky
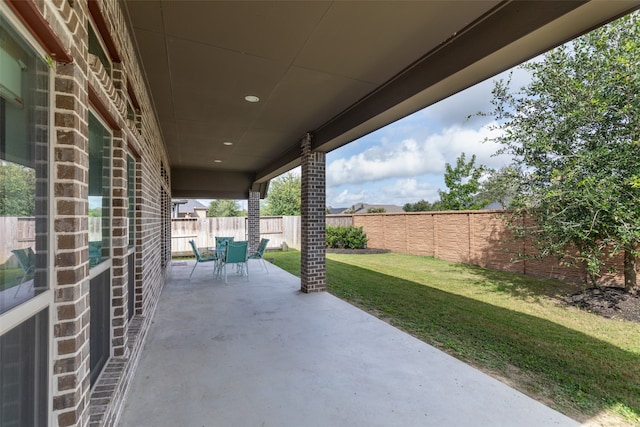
[404,162]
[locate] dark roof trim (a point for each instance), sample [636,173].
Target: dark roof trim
[480,39]
[30,15]
[102,109]
[209,184]
[103,29]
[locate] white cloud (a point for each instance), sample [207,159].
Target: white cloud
[345,198]
[410,158]
[405,161]
[455,109]
[403,190]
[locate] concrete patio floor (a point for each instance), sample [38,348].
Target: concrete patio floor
[258,352]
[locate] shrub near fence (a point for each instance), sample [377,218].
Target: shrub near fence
[278,229]
[471,237]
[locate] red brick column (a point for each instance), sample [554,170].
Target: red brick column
[120,244]
[253,220]
[313,206]
[71,293]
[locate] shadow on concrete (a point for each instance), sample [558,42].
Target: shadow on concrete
[580,379]
[258,352]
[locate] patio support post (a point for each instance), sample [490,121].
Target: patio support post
[313,208]
[253,220]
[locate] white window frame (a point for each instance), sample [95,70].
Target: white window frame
[30,308]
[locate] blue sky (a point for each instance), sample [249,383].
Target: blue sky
[405,161]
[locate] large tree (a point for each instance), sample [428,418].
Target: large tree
[500,186]
[284,195]
[422,206]
[221,208]
[575,131]
[17,190]
[463,184]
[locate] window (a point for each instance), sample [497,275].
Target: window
[24,169]
[99,188]
[23,373]
[95,48]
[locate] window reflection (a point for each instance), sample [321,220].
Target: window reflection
[24,172]
[99,179]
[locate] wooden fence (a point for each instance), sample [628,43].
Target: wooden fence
[17,233]
[278,229]
[472,237]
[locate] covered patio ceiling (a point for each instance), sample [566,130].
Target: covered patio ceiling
[335,69]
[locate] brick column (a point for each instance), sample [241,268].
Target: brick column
[120,244]
[70,389]
[312,268]
[253,220]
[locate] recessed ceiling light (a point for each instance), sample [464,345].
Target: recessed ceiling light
[228,143]
[251,98]
[217,161]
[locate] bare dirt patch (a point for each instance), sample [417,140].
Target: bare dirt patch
[607,301]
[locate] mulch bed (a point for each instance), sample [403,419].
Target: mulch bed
[608,301]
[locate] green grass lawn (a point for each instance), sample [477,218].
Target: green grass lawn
[9,277]
[507,325]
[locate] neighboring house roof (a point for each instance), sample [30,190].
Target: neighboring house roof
[186,206]
[336,211]
[364,207]
[493,206]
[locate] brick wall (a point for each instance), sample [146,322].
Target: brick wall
[70,174]
[78,86]
[473,237]
[313,226]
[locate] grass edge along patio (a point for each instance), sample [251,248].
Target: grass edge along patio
[506,324]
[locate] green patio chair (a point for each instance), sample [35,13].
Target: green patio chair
[211,257]
[259,253]
[27,260]
[237,254]
[221,242]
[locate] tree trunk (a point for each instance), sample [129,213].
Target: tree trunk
[629,270]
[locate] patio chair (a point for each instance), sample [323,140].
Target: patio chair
[259,253]
[237,254]
[27,260]
[200,258]
[221,242]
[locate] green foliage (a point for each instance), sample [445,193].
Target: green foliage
[222,208]
[17,190]
[95,213]
[501,186]
[422,206]
[463,182]
[343,237]
[283,197]
[575,130]
[376,210]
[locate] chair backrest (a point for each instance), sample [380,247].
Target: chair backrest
[195,250]
[262,246]
[221,242]
[26,259]
[236,252]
